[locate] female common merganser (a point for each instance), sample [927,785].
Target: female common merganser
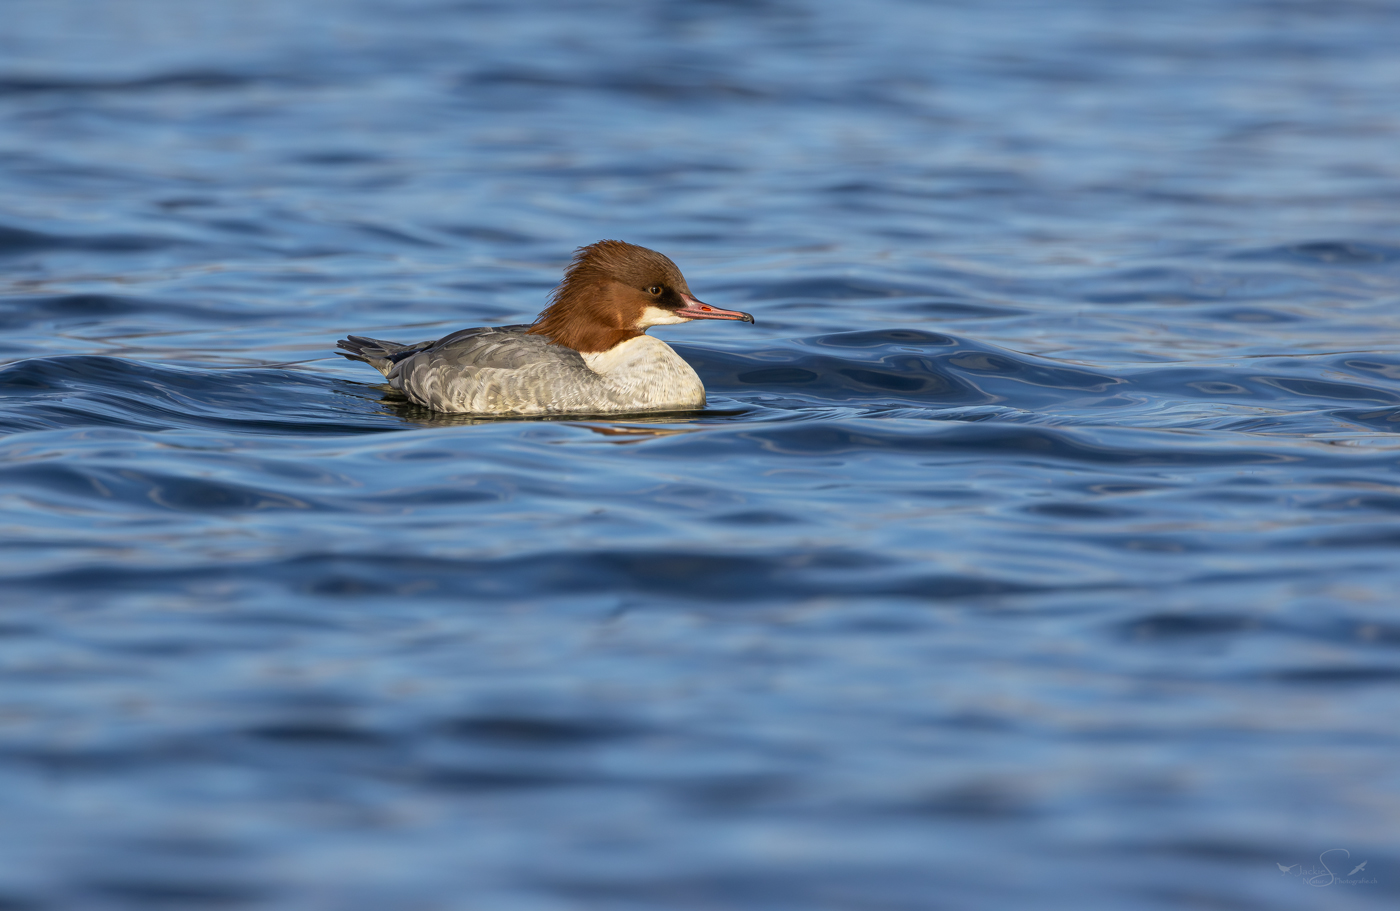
[588,353]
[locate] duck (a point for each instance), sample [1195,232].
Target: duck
[588,352]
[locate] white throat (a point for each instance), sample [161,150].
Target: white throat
[656,316]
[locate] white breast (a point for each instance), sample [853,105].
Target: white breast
[645,373]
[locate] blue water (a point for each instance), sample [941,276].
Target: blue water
[1039,548]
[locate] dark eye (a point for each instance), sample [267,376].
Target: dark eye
[654,289]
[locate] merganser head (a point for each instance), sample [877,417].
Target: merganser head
[615,291]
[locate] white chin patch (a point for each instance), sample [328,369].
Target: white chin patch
[655,316]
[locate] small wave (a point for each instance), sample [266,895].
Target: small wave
[67,310]
[1327,253]
[1025,443]
[202,80]
[717,577]
[905,366]
[89,390]
[666,82]
[890,366]
[16,241]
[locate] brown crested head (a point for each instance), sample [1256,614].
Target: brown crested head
[614,291]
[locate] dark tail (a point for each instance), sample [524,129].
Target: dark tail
[379,354]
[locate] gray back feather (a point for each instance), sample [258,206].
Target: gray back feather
[497,369]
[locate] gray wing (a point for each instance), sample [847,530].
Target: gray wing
[499,347]
[496,371]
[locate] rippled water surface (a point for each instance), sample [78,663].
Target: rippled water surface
[1039,547]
